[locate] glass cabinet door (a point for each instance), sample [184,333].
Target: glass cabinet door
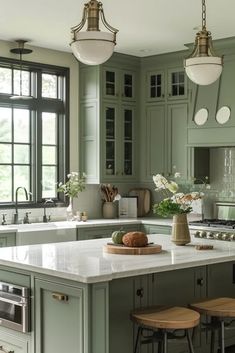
[128,86]
[110,137]
[128,141]
[110,83]
[155,86]
[177,84]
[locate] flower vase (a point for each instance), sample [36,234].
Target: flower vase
[180,230]
[70,210]
[109,210]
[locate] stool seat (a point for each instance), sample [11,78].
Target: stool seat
[166,317]
[219,307]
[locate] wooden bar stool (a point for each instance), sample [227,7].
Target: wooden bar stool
[160,320]
[218,310]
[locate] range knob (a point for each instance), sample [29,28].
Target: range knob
[203,234]
[218,236]
[210,235]
[232,237]
[197,234]
[226,236]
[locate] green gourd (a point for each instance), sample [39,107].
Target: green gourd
[117,236]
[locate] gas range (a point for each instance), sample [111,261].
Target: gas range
[220,229]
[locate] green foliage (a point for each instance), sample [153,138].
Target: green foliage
[74,185]
[168,207]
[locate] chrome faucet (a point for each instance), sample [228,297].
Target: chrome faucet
[45,217]
[16,216]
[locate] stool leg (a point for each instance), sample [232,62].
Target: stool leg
[165,341]
[137,340]
[212,348]
[221,338]
[190,344]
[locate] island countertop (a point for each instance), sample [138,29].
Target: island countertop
[86,262]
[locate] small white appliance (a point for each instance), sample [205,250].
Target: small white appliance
[127,207]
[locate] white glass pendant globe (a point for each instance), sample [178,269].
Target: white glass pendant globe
[93,47]
[203,70]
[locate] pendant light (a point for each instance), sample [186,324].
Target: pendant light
[93,46]
[20,51]
[203,66]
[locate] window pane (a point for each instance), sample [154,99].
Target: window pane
[49,86]
[5,183]
[49,128]
[21,154]
[25,82]
[5,153]
[48,155]
[5,123]
[49,182]
[22,178]
[5,80]
[21,125]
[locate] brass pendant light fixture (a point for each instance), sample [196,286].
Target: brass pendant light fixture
[20,50]
[93,46]
[203,66]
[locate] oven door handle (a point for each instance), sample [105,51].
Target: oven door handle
[12,299]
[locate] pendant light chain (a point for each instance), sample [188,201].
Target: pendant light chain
[203,14]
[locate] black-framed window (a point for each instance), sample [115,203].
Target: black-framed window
[34,146]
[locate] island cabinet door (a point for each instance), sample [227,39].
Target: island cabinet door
[14,343]
[60,320]
[181,287]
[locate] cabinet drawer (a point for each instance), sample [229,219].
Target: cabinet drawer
[8,239]
[104,232]
[149,229]
[11,344]
[15,278]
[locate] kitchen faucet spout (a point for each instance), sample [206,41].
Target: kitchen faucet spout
[15,221]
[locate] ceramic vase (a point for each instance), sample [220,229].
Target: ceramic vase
[70,210]
[180,231]
[109,210]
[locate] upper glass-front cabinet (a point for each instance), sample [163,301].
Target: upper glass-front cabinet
[119,141]
[170,85]
[118,84]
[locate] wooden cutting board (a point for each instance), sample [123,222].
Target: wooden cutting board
[126,250]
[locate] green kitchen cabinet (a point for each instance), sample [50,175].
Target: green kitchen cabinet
[156,229]
[166,85]
[45,236]
[165,140]
[12,342]
[61,321]
[7,239]
[119,136]
[109,120]
[103,232]
[118,84]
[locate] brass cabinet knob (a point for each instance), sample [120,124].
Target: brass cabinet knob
[60,297]
[200,282]
[140,292]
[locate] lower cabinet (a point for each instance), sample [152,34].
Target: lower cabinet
[150,229]
[46,236]
[60,318]
[7,239]
[103,232]
[10,343]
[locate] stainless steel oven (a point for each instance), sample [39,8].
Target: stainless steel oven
[14,307]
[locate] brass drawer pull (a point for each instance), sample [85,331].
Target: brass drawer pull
[4,350]
[61,297]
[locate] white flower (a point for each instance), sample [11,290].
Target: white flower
[177,175]
[172,187]
[208,187]
[160,181]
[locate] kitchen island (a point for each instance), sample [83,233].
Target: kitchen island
[82,296]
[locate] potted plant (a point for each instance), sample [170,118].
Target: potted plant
[73,186]
[176,204]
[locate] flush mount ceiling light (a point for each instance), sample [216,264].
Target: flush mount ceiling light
[20,51]
[93,46]
[203,66]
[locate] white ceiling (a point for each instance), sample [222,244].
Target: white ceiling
[145,27]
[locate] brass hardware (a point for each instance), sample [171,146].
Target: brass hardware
[60,297]
[4,350]
[200,282]
[140,292]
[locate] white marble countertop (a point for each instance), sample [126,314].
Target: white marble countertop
[85,261]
